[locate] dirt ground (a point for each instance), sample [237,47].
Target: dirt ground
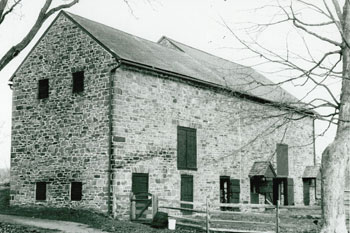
[61,226]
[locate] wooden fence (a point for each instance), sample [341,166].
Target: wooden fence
[207,217]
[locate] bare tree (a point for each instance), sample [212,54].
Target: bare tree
[317,70]
[7,7]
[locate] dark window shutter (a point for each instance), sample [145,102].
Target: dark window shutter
[181,148]
[40,191]
[282,160]
[43,89]
[235,189]
[76,191]
[191,143]
[78,82]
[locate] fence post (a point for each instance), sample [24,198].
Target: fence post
[132,207]
[277,216]
[277,210]
[207,216]
[154,205]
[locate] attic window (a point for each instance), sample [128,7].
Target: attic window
[43,87]
[76,191]
[78,82]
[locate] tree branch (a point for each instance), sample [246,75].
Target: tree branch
[296,24]
[43,15]
[3,4]
[2,16]
[63,6]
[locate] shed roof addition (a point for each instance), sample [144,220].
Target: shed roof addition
[262,168]
[312,172]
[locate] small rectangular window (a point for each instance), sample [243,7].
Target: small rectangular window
[186,148]
[43,87]
[76,191]
[78,82]
[40,194]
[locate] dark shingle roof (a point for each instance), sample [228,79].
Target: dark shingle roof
[312,172]
[262,168]
[238,77]
[188,62]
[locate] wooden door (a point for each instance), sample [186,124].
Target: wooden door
[306,191]
[140,190]
[187,192]
[224,189]
[235,189]
[140,184]
[289,193]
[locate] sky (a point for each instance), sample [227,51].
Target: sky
[198,23]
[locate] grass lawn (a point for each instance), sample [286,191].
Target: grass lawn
[300,221]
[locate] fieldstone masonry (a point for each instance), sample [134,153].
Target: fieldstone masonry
[65,138]
[62,138]
[151,107]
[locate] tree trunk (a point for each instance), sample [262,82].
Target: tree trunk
[334,160]
[335,157]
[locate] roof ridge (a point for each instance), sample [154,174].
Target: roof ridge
[113,28]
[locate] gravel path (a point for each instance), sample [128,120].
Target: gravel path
[61,226]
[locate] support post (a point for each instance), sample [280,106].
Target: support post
[277,211]
[132,207]
[154,205]
[207,216]
[277,216]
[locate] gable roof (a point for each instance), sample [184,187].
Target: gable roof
[186,62]
[262,168]
[237,77]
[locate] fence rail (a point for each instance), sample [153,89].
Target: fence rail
[209,216]
[207,220]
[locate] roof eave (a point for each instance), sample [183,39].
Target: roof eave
[236,93]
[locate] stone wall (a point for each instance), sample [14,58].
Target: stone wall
[63,138]
[231,134]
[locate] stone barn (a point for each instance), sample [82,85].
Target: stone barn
[99,113]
